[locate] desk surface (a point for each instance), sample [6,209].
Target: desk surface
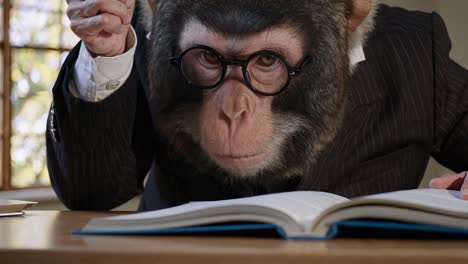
[44,237]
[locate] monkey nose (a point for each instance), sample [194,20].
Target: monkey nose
[236,102]
[234,115]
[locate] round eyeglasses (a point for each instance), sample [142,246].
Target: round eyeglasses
[265,72]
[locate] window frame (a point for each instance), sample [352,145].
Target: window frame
[5,93]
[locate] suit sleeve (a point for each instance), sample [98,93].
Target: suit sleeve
[451,103]
[98,153]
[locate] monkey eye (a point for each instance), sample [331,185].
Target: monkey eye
[265,72]
[210,57]
[267,60]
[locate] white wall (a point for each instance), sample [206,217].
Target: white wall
[455,14]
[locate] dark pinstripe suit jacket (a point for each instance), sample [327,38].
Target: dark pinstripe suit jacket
[408,101]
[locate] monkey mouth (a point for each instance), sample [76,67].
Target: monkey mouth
[240,159]
[239,156]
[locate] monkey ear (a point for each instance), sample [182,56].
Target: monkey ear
[359,12]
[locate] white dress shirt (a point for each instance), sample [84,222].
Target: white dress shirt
[94,79]
[97,78]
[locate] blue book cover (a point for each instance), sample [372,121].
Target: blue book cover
[359,228]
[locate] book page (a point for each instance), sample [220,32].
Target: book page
[301,205]
[432,199]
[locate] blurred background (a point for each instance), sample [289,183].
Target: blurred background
[34,40]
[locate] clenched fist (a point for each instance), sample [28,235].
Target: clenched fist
[102,25]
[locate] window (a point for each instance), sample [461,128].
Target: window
[35,38]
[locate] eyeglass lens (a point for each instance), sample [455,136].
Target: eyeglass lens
[265,72]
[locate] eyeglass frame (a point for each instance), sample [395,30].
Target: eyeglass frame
[176,61]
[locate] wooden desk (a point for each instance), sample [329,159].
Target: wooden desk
[44,237]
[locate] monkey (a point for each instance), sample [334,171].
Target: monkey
[241,98]
[232,130]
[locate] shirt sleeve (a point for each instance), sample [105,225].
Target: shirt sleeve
[94,79]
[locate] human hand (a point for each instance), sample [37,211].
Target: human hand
[452,182]
[102,25]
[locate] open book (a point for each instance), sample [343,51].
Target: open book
[14,207]
[299,215]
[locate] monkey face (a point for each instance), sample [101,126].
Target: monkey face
[235,123]
[231,129]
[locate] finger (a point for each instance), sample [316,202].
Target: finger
[92,26]
[130,4]
[92,8]
[450,182]
[464,188]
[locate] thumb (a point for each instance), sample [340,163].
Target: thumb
[450,182]
[464,188]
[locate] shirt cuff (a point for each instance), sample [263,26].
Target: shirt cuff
[97,78]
